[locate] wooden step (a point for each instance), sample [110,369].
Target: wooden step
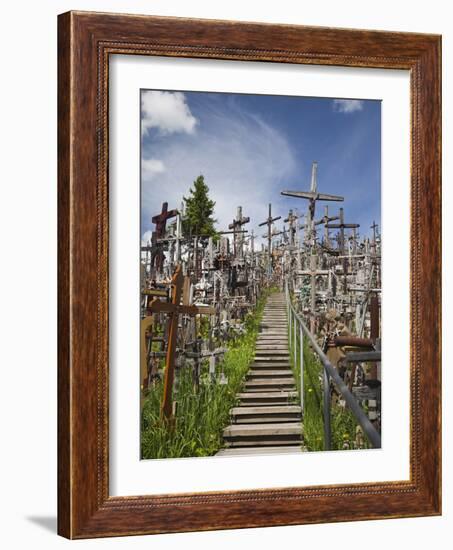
[265,336]
[251,451]
[269,414]
[266,373]
[266,340]
[271,353]
[269,398]
[269,384]
[270,364]
[267,319]
[285,429]
[277,347]
[296,409]
[268,419]
[270,388]
[268,359]
[280,396]
[259,442]
[259,435]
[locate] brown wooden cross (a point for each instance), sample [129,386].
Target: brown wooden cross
[161,219]
[157,257]
[174,309]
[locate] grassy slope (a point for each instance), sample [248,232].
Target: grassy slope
[201,414]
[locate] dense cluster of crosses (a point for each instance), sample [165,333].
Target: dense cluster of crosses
[197,291]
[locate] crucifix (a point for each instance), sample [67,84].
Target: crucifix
[269,222]
[312,196]
[174,309]
[291,220]
[160,220]
[235,226]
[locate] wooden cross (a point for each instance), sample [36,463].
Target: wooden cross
[312,196]
[275,233]
[325,220]
[270,220]
[160,220]
[236,225]
[313,272]
[342,226]
[200,354]
[175,239]
[374,227]
[174,309]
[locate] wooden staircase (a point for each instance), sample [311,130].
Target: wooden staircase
[268,418]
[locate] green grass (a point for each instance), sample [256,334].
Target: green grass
[202,413]
[343,422]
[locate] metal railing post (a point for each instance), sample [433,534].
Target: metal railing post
[290,326]
[295,344]
[326,408]
[301,350]
[329,372]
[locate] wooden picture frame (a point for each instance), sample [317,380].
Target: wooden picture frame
[85,42]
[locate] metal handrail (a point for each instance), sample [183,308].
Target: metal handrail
[329,371]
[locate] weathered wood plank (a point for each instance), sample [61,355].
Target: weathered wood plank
[251,451]
[263,430]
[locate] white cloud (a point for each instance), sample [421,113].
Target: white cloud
[245,162]
[146,237]
[168,112]
[151,167]
[347,105]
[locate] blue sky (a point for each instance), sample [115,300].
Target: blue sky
[251,147]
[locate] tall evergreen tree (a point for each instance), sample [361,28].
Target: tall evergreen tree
[199,209]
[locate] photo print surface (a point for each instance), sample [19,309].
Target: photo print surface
[260,266]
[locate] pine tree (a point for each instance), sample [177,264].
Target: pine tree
[199,209]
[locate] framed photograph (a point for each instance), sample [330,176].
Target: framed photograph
[249,262]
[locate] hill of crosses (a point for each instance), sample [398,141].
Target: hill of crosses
[259,334]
